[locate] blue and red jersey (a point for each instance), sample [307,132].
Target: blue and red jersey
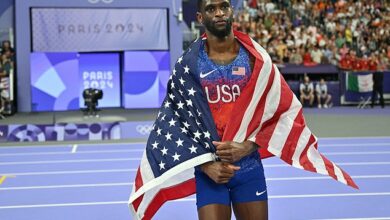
[223,84]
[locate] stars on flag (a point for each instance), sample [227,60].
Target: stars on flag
[199,113]
[176,157]
[171,96]
[164,151]
[197,134]
[172,123]
[158,131]
[179,142]
[180,59]
[191,92]
[193,149]
[186,124]
[207,134]
[182,81]
[189,102]
[155,145]
[184,130]
[162,166]
[167,104]
[186,69]
[180,105]
[177,113]
[168,136]
[178,132]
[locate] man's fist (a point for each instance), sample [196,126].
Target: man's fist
[220,172]
[231,152]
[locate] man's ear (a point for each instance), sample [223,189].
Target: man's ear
[199,17]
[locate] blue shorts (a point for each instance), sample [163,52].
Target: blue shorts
[247,186]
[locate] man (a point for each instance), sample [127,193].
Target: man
[227,64]
[226,106]
[306,90]
[377,78]
[322,94]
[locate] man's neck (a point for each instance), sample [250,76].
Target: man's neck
[218,45]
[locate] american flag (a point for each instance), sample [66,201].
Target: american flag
[266,112]
[239,71]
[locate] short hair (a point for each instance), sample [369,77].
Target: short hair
[200,2]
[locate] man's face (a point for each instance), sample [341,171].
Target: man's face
[217,17]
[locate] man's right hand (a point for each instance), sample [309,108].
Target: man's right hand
[220,172]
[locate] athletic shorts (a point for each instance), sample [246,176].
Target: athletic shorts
[245,186]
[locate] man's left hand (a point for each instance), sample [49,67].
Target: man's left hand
[230,151]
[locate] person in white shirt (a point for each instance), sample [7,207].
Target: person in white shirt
[322,94]
[306,89]
[316,55]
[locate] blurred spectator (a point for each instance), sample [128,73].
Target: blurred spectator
[6,47]
[6,65]
[378,83]
[296,57]
[316,55]
[306,91]
[323,98]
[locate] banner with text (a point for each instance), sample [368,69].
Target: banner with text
[87,30]
[101,71]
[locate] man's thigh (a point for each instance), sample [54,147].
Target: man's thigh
[257,210]
[214,212]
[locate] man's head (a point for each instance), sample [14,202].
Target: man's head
[216,16]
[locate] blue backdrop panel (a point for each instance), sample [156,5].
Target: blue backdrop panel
[58,79]
[145,78]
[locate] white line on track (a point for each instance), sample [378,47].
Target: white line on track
[67,145]
[70,161]
[387,144]
[364,138]
[67,153]
[356,153]
[65,186]
[138,159]
[193,200]
[327,177]
[329,195]
[130,183]
[70,172]
[63,205]
[141,150]
[74,148]
[369,218]
[134,170]
[340,164]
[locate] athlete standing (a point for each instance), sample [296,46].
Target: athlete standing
[225,67]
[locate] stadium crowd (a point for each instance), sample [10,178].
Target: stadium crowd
[352,34]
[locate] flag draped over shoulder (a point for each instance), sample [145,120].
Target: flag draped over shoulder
[267,112]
